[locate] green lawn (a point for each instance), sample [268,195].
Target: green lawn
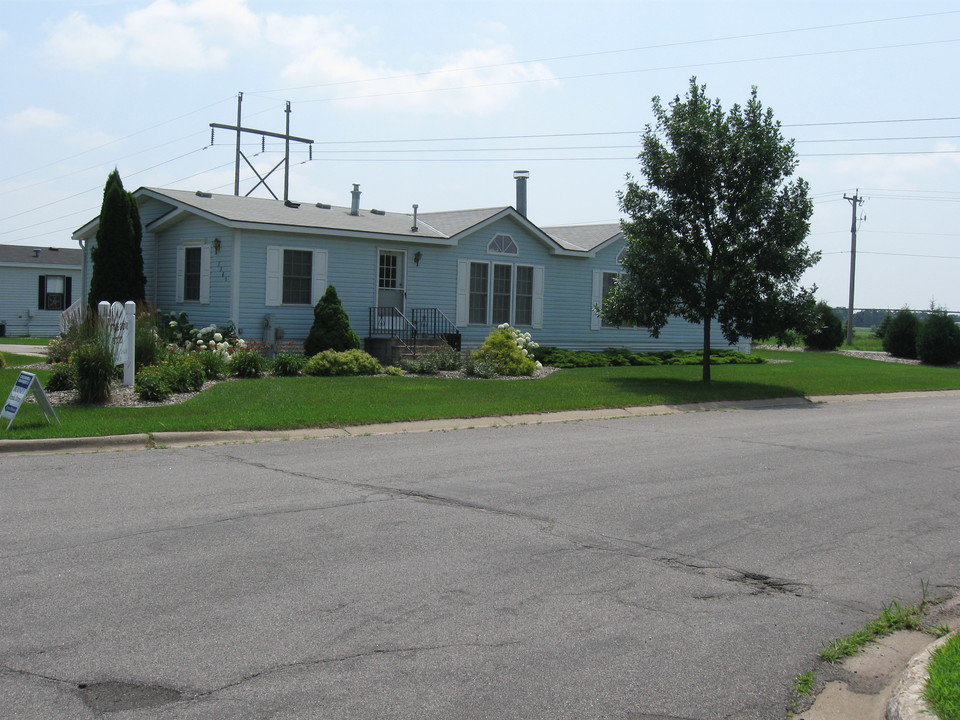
[279,403]
[24,340]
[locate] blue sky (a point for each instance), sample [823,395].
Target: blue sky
[437,103]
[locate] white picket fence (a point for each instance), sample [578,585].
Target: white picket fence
[122,319]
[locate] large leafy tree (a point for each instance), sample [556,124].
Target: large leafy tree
[118,256]
[717,231]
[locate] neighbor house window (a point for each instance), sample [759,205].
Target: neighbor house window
[54,292]
[297,277]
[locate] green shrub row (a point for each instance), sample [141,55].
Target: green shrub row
[935,341]
[557,357]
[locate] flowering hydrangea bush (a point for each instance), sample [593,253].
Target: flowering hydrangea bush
[182,336]
[506,351]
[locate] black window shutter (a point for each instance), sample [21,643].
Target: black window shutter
[67,287]
[42,295]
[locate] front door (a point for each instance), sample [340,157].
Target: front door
[391,282]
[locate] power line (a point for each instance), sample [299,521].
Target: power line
[613,73]
[606,52]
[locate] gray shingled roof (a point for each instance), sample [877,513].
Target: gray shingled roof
[582,237]
[306,215]
[40,256]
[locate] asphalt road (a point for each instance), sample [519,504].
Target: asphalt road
[684,566]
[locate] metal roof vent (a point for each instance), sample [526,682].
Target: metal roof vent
[355,199]
[324,206]
[201,193]
[521,177]
[378,212]
[291,204]
[415,228]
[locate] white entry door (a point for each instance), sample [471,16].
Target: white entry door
[391,288]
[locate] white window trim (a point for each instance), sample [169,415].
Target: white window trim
[463,292]
[204,246]
[273,296]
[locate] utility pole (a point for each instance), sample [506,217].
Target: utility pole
[855,202]
[286,137]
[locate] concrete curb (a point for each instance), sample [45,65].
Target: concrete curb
[146,441]
[907,701]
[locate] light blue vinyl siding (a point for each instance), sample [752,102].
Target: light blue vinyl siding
[351,267]
[19,303]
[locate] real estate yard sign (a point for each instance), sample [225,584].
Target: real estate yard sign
[26,383]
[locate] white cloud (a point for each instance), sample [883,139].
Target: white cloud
[319,51]
[472,82]
[35,118]
[165,34]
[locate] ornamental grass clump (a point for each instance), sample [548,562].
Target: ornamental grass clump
[246,363]
[288,364]
[93,361]
[348,362]
[506,351]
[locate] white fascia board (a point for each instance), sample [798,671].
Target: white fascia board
[549,242]
[41,266]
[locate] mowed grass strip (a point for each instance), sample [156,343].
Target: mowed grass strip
[285,403]
[942,691]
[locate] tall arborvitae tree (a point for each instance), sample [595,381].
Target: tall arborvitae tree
[117,256]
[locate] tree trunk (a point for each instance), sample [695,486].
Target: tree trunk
[706,348]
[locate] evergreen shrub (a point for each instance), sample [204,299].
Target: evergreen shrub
[900,337]
[827,332]
[502,352]
[938,340]
[331,327]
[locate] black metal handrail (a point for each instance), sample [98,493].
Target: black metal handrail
[431,322]
[390,321]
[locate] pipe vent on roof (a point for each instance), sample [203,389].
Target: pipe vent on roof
[521,177]
[291,204]
[355,199]
[414,228]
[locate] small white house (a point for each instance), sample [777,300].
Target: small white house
[36,285]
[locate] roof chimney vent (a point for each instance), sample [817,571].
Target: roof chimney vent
[521,177]
[355,202]
[415,228]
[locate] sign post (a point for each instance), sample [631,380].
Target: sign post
[26,383]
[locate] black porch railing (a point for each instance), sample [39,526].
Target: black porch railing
[422,325]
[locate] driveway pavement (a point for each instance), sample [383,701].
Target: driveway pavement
[684,566]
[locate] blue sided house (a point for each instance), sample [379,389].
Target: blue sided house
[403,278]
[36,285]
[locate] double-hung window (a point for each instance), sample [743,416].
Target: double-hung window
[493,293]
[54,292]
[295,276]
[193,272]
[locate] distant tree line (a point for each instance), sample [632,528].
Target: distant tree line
[873,317]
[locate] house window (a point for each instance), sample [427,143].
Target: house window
[523,311]
[192,262]
[54,292]
[608,282]
[502,245]
[479,280]
[193,272]
[502,293]
[388,276]
[297,276]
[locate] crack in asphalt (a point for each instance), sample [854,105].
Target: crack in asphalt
[375,652]
[38,676]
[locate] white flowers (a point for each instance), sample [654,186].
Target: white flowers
[218,337]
